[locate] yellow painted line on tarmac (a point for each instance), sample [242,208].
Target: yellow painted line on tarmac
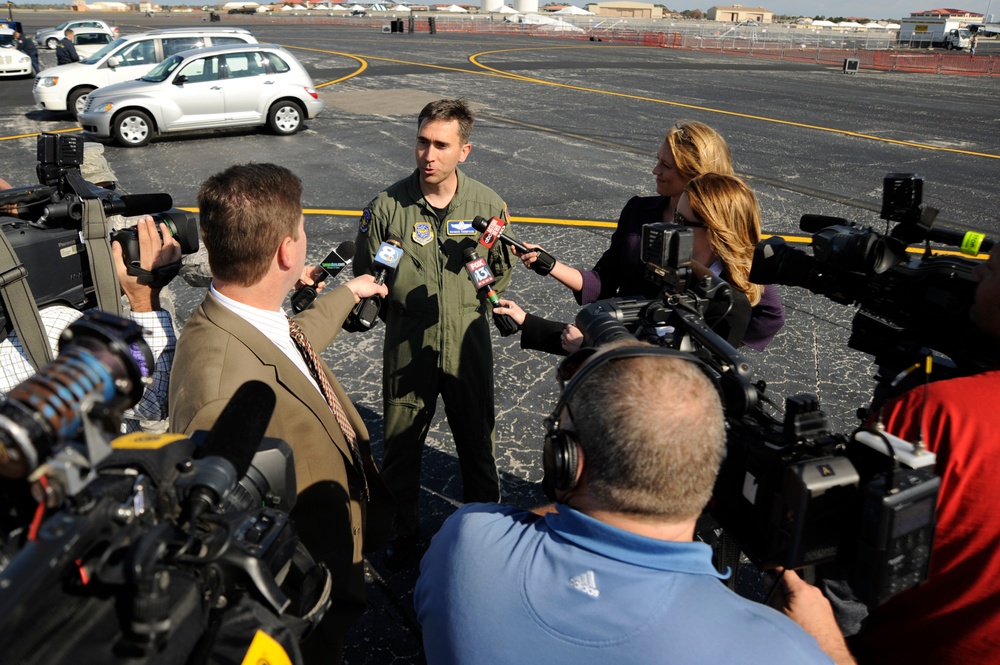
[363,64]
[871,137]
[52,131]
[594,223]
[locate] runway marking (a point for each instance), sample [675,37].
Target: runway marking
[49,131]
[359,70]
[790,123]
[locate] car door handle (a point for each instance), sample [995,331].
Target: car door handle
[216,87]
[268,82]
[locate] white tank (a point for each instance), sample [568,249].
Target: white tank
[491,5]
[526,6]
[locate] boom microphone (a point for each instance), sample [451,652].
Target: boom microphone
[483,277]
[493,229]
[334,262]
[387,258]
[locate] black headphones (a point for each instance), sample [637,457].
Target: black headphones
[561,451]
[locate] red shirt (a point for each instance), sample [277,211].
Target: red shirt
[955,616]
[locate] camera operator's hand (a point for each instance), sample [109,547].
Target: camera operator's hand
[571,338]
[806,605]
[156,249]
[511,309]
[364,286]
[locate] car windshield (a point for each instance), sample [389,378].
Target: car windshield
[6,41]
[63,26]
[94,59]
[162,70]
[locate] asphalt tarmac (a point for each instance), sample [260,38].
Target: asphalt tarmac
[567,132]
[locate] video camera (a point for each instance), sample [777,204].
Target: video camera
[145,548]
[46,230]
[910,306]
[789,492]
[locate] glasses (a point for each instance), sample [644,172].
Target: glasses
[683,134]
[572,363]
[684,221]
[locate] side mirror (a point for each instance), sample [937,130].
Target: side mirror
[180,79]
[113,62]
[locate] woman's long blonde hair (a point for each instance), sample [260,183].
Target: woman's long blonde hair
[697,149]
[732,218]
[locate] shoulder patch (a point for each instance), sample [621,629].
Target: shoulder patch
[365,222]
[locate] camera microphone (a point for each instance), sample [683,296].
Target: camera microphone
[387,258]
[493,230]
[229,447]
[483,277]
[331,266]
[128,205]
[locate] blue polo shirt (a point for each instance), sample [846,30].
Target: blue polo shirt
[502,585]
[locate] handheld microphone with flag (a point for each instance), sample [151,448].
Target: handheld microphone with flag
[331,266]
[493,230]
[387,258]
[483,278]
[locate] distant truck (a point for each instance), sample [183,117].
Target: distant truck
[925,32]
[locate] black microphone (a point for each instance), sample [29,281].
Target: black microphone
[128,205]
[138,204]
[493,230]
[229,447]
[816,223]
[365,313]
[331,266]
[483,277]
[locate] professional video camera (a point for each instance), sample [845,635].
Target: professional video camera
[145,548]
[51,217]
[910,306]
[789,492]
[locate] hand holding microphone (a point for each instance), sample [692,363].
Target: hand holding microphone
[493,230]
[330,267]
[365,313]
[483,277]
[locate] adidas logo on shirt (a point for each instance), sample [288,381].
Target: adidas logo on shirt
[587,583]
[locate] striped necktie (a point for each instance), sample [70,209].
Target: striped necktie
[316,369]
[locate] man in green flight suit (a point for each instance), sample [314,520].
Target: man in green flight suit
[437,335]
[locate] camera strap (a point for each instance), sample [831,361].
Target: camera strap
[102,262]
[22,311]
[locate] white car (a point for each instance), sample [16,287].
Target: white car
[49,37]
[65,87]
[12,61]
[89,41]
[209,88]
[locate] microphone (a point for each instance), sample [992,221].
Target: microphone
[331,266]
[969,242]
[387,258]
[128,205]
[493,230]
[483,277]
[229,447]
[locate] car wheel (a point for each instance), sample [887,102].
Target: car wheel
[77,101]
[51,43]
[285,118]
[132,129]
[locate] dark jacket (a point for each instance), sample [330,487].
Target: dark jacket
[66,52]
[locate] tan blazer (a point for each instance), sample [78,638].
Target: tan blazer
[216,353]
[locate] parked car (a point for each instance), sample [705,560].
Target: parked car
[208,88]
[49,37]
[12,61]
[243,10]
[66,87]
[89,41]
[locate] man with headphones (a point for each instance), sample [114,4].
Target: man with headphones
[611,573]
